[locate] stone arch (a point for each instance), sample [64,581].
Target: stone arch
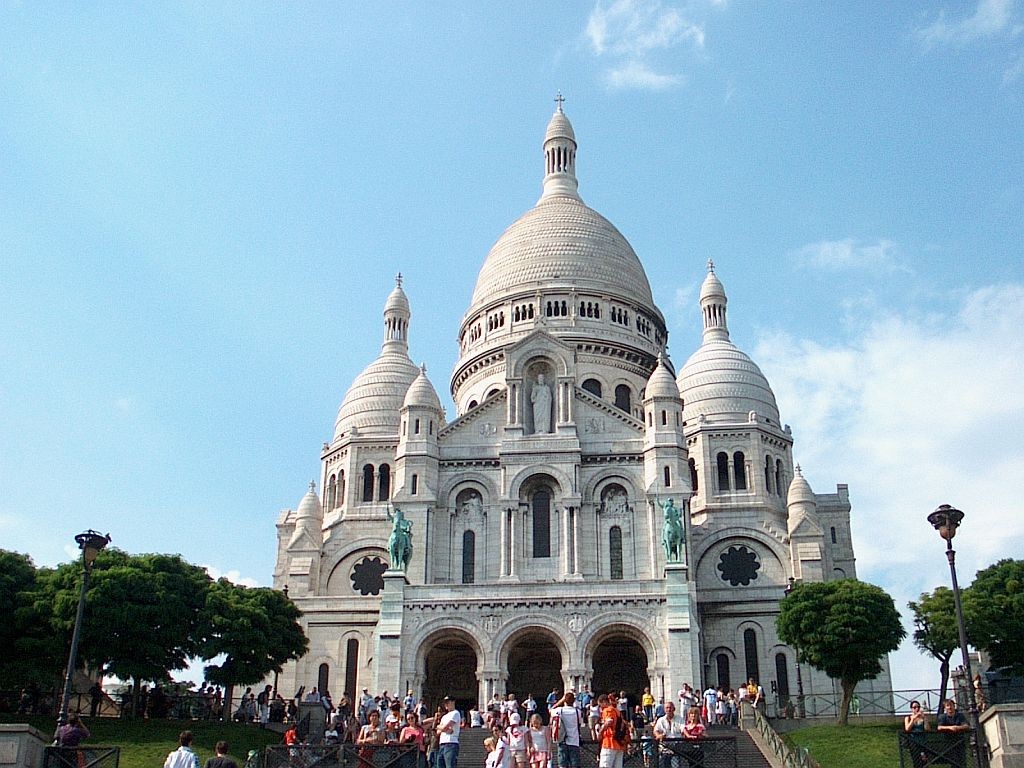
[480,481]
[335,571]
[555,355]
[631,625]
[595,485]
[562,483]
[441,663]
[719,673]
[525,624]
[773,570]
[528,657]
[620,658]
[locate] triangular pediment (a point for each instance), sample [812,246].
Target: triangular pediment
[598,419]
[480,425]
[540,343]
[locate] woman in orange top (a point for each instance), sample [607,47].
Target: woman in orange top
[614,733]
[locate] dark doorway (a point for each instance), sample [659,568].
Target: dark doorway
[451,671]
[534,666]
[620,664]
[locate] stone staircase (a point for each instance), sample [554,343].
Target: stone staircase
[471,747]
[747,753]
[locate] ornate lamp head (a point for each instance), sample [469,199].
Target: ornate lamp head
[946,520]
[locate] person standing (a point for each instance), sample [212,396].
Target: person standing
[221,759]
[72,733]
[183,756]
[614,734]
[565,727]
[448,735]
[647,702]
[668,726]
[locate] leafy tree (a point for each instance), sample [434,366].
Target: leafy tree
[936,632]
[31,652]
[144,612]
[994,611]
[256,630]
[843,628]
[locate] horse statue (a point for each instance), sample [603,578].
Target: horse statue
[400,541]
[673,534]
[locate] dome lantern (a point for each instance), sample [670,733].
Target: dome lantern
[560,155]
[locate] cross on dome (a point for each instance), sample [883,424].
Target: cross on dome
[559,100]
[312,486]
[711,267]
[398,279]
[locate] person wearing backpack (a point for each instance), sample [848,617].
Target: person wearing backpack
[565,726]
[614,733]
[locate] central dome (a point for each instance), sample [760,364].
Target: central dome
[562,241]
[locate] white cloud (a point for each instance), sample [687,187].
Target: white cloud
[847,254]
[914,413]
[990,18]
[635,74]
[630,31]
[235,577]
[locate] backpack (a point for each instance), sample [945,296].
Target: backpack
[620,730]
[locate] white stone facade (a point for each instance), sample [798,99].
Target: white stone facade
[536,511]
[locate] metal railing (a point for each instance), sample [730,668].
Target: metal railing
[922,750]
[81,757]
[788,756]
[348,755]
[718,751]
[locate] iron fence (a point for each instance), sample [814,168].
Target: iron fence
[81,757]
[717,751]
[921,750]
[346,755]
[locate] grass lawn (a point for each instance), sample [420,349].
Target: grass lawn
[145,743]
[855,746]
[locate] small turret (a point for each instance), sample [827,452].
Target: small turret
[560,156]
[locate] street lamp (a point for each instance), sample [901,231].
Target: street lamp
[801,711]
[90,543]
[946,520]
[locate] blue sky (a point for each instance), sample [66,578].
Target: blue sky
[202,208]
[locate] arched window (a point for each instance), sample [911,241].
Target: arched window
[739,469]
[668,477]
[473,404]
[832,530]
[750,652]
[416,427]
[332,492]
[323,678]
[351,668]
[368,482]
[722,662]
[615,552]
[542,523]
[664,418]
[693,475]
[414,485]
[778,478]
[768,474]
[384,483]
[492,393]
[593,386]
[341,488]
[782,676]
[623,398]
[723,471]
[468,557]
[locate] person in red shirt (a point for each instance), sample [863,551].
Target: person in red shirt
[614,733]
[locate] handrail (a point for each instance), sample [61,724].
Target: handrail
[798,758]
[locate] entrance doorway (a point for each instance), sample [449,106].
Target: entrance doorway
[620,664]
[451,666]
[534,666]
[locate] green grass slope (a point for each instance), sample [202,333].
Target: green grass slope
[145,743]
[855,746]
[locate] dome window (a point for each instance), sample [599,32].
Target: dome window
[332,492]
[668,477]
[832,532]
[368,482]
[778,478]
[693,475]
[414,485]
[739,467]
[416,427]
[768,474]
[593,386]
[384,483]
[623,398]
[722,461]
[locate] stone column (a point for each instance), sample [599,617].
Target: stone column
[388,655]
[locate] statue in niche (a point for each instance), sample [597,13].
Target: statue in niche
[673,534]
[471,505]
[400,541]
[616,501]
[541,399]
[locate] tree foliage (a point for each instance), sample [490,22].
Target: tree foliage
[31,652]
[935,630]
[843,628]
[994,610]
[257,630]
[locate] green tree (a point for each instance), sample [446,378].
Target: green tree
[843,628]
[935,631]
[31,652]
[994,611]
[143,613]
[256,630]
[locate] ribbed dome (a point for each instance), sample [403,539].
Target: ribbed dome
[397,301]
[372,403]
[563,242]
[799,489]
[661,383]
[712,286]
[721,383]
[559,128]
[309,507]
[422,394]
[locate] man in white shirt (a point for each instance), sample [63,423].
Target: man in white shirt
[565,721]
[668,726]
[448,735]
[183,756]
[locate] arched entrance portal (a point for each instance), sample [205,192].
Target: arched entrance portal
[534,666]
[620,664]
[451,671]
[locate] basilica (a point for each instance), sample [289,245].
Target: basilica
[588,515]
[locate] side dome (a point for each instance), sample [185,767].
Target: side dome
[719,382]
[800,490]
[421,393]
[372,403]
[661,384]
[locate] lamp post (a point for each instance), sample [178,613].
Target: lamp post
[90,542]
[800,710]
[946,520]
